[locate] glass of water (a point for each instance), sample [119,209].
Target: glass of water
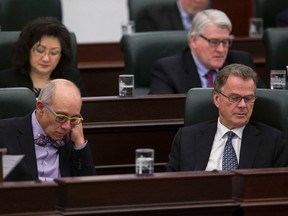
[144,162]
[126,85]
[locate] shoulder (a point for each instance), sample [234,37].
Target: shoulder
[178,56]
[239,53]
[9,72]
[202,127]
[265,129]
[159,10]
[241,57]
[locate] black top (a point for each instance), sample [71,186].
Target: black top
[12,78]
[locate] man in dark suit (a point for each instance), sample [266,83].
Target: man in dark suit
[50,138]
[209,42]
[232,141]
[177,16]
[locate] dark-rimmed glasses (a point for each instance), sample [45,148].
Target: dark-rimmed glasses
[235,98]
[61,118]
[40,50]
[216,42]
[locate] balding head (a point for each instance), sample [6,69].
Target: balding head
[59,89]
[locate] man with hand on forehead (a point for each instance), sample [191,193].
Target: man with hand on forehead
[51,138]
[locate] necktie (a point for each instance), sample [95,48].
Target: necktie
[209,77]
[229,160]
[43,140]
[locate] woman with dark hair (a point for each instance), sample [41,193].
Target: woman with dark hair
[43,52]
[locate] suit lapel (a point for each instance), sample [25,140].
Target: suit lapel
[204,142]
[249,146]
[193,79]
[175,18]
[26,143]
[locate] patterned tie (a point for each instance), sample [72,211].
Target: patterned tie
[229,160]
[43,140]
[209,75]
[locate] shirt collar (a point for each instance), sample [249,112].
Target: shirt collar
[202,69]
[222,130]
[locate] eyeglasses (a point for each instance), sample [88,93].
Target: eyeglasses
[60,118]
[216,42]
[40,50]
[235,98]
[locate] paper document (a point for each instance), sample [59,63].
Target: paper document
[10,162]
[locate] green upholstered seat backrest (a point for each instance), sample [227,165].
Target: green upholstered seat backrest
[276,50]
[268,9]
[7,41]
[270,107]
[141,50]
[16,102]
[15,14]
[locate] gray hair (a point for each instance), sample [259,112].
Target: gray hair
[238,70]
[49,90]
[205,17]
[47,93]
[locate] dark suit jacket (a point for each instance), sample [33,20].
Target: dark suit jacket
[17,136]
[282,18]
[12,78]
[159,18]
[261,147]
[177,74]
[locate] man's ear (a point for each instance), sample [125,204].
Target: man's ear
[39,107]
[216,99]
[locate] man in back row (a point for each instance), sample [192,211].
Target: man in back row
[232,141]
[177,16]
[197,66]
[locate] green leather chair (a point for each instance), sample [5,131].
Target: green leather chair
[16,102]
[136,7]
[271,107]
[268,9]
[141,50]
[15,14]
[276,50]
[7,41]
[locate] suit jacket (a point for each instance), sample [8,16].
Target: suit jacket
[159,18]
[261,147]
[12,78]
[177,74]
[16,135]
[282,18]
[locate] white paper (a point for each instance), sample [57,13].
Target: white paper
[10,162]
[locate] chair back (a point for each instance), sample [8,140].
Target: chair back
[270,107]
[276,49]
[268,10]
[136,7]
[142,49]
[15,14]
[16,102]
[9,38]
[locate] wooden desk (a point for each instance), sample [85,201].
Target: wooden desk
[28,198]
[148,107]
[116,126]
[262,191]
[183,193]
